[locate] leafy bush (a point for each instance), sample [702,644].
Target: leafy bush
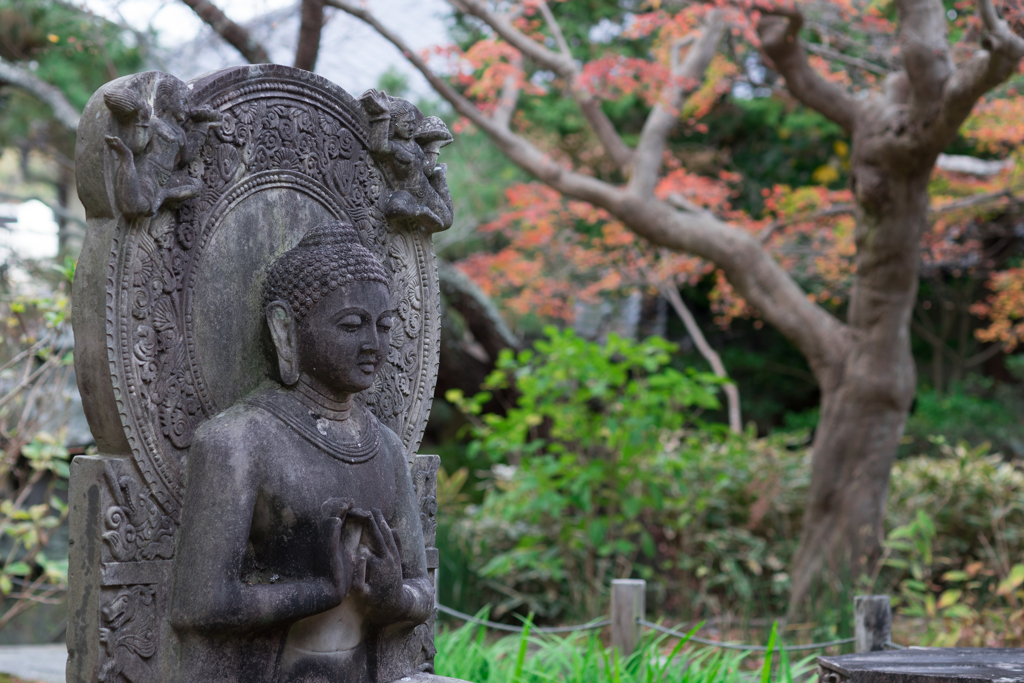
[600,471]
[976,411]
[957,547]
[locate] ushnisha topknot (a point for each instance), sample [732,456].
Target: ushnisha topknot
[329,256]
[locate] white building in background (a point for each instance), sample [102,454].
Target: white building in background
[27,231]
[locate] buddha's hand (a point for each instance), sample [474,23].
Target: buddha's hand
[378,568]
[336,538]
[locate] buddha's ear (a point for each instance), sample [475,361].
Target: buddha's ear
[283,330]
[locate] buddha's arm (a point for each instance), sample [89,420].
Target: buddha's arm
[416,584]
[209,594]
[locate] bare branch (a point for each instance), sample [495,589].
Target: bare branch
[507,102]
[556,30]
[235,35]
[62,109]
[846,59]
[780,41]
[665,114]
[732,393]
[563,65]
[775,226]
[312,24]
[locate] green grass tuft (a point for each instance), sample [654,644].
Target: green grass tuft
[468,654]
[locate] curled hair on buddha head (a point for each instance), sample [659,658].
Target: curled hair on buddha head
[328,257]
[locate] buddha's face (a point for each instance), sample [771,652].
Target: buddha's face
[343,339]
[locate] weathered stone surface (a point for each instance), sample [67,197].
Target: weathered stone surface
[925,665]
[256,318]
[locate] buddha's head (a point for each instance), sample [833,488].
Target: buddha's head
[328,308]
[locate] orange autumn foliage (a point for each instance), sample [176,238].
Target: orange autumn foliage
[1004,308]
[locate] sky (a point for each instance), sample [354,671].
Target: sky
[351,54]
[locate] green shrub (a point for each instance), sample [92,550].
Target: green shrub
[601,470]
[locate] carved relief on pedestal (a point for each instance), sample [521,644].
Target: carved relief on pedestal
[129,634]
[136,528]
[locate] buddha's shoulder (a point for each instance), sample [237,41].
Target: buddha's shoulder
[390,441]
[244,424]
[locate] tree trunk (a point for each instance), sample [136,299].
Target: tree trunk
[866,397]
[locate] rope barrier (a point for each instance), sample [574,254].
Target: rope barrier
[740,646]
[519,629]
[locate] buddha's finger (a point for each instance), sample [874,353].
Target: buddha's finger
[377,544]
[387,533]
[336,507]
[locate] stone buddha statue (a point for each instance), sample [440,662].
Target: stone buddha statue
[300,552]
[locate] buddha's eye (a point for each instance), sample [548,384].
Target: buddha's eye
[350,322]
[385,323]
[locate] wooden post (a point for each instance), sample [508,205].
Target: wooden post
[872,622]
[628,605]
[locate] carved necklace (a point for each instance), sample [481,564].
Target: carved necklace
[312,423]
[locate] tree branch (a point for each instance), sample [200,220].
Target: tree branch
[732,393]
[563,64]
[822,338]
[235,35]
[308,48]
[846,59]
[665,114]
[987,68]
[780,41]
[481,315]
[924,49]
[63,111]
[556,31]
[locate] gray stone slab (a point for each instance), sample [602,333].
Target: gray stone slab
[925,665]
[34,662]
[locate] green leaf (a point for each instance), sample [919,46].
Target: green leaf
[1012,582]
[18,569]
